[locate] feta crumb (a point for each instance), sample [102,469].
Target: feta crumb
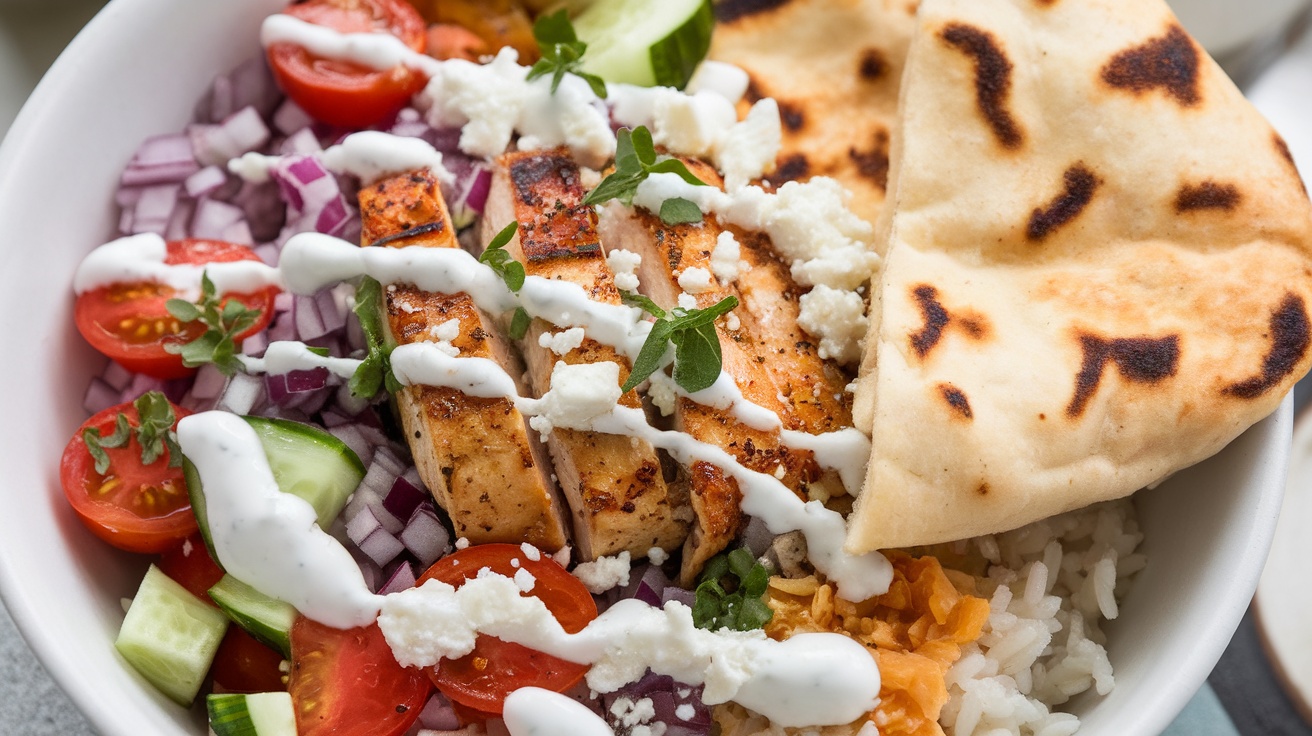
[687,301]
[525,580]
[662,392]
[780,472]
[695,280]
[462,543]
[484,100]
[405,306]
[657,556]
[632,712]
[578,394]
[838,318]
[726,258]
[448,331]
[685,712]
[732,322]
[514,562]
[562,342]
[748,150]
[533,553]
[869,729]
[604,573]
[691,124]
[562,556]
[726,80]
[624,264]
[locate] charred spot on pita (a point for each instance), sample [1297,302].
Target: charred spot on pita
[992,79]
[936,319]
[1138,359]
[1207,196]
[983,489]
[728,11]
[1080,184]
[792,116]
[873,163]
[1169,63]
[873,65]
[791,168]
[956,400]
[1289,332]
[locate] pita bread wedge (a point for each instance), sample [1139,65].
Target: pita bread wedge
[835,67]
[1099,268]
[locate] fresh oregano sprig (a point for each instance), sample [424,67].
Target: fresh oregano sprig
[511,271]
[154,433]
[635,160]
[375,371]
[730,593]
[697,356]
[223,321]
[562,53]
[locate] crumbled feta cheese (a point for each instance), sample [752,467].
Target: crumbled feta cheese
[838,318]
[514,562]
[624,264]
[687,301]
[572,115]
[578,394]
[685,712]
[657,556]
[484,100]
[780,472]
[462,543]
[726,80]
[630,712]
[525,580]
[448,331]
[662,392]
[726,258]
[404,306]
[695,280]
[562,342]
[691,124]
[731,322]
[748,150]
[562,556]
[604,573]
[531,552]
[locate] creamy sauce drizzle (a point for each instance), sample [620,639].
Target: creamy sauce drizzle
[533,711]
[369,155]
[137,259]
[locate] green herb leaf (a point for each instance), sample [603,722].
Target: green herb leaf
[223,320]
[375,371]
[697,356]
[498,259]
[679,211]
[519,323]
[643,303]
[635,160]
[730,593]
[562,53]
[154,432]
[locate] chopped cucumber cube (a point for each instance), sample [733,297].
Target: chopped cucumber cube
[267,619]
[645,43]
[258,714]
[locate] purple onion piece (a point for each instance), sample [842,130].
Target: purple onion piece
[205,181]
[214,219]
[161,159]
[439,715]
[672,593]
[179,220]
[99,396]
[153,209]
[402,578]
[425,536]
[403,498]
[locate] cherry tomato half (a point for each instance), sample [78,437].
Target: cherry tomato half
[128,322]
[244,665]
[190,565]
[343,93]
[483,678]
[345,682]
[135,507]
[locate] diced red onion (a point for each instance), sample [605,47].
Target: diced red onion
[179,220]
[125,222]
[255,345]
[756,536]
[403,578]
[348,403]
[438,714]
[268,252]
[215,221]
[288,388]
[425,536]
[161,159]
[672,593]
[253,85]
[290,119]
[116,376]
[403,498]
[205,181]
[283,328]
[99,396]
[352,436]
[127,197]
[309,324]
[210,382]
[301,143]
[388,458]
[152,211]
[242,394]
[239,133]
[265,211]
[380,546]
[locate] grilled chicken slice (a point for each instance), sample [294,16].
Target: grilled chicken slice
[667,251]
[479,457]
[613,484]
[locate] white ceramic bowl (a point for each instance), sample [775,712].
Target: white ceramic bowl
[137,70]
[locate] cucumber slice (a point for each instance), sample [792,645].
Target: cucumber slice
[306,461]
[257,714]
[645,43]
[267,619]
[170,636]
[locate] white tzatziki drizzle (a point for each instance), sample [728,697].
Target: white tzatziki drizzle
[266,538]
[140,259]
[369,155]
[812,679]
[534,711]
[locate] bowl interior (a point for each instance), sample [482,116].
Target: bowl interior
[137,70]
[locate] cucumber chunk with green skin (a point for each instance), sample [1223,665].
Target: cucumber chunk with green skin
[645,43]
[170,636]
[267,619]
[306,461]
[257,714]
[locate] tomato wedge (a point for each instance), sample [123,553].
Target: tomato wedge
[244,665]
[483,678]
[190,565]
[133,506]
[343,93]
[345,682]
[128,322]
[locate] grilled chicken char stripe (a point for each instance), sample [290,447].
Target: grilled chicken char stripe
[614,484]
[479,457]
[667,251]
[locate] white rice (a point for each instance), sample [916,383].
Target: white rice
[1050,585]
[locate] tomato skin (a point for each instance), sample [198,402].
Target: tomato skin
[104,503]
[346,683]
[190,565]
[342,93]
[110,317]
[482,679]
[244,665]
